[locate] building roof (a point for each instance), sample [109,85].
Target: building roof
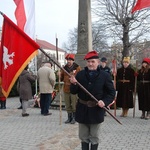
[46,45]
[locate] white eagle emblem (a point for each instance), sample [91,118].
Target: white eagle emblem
[7,58]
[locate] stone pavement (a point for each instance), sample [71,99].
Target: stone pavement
[38,132]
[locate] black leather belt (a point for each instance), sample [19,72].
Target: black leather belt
[89,103]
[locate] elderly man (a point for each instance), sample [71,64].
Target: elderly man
[89,113]
[47,78]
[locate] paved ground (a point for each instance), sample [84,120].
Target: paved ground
[38,132]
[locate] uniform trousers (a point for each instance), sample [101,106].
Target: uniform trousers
[70,102]
[89,133]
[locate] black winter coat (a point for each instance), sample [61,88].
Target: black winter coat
[144,90]
[106,69]
[101,87]
[125,89]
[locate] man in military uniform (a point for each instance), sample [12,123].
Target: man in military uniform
[70,99]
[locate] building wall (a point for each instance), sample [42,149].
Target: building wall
[61,56]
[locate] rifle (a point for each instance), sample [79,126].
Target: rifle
[84,89]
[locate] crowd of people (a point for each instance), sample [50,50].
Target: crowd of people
[126,77]
[96,78]
[125,87]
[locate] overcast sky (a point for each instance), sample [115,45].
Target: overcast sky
[53,17]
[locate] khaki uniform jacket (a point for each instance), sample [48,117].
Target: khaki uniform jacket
[73,70]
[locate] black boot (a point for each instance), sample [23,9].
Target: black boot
[0,104]
[85,146]
[73,118]
[94,147]
[69,118]
[3,104]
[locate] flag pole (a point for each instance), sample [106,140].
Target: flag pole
[115,74]
[1,13]
[84,89]
[135,86]
[59,88]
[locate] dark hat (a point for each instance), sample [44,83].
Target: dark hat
[91,55]
[70,56]
[146,60]
[103,59]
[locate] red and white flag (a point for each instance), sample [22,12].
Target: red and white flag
[141,4]
[25,16]
[16,51]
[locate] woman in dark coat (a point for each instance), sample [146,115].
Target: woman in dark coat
[144,88]
[125,87]
[25,89]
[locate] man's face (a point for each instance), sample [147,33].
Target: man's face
[69,62]
[103,64]
[92,64]
[144,64]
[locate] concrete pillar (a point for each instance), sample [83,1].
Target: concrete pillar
[84,31]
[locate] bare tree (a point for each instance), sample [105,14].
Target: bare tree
[99,39]
[71,44]
[121,24]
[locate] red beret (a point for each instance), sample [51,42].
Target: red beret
[147,60]
[91,55]
[70,56]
